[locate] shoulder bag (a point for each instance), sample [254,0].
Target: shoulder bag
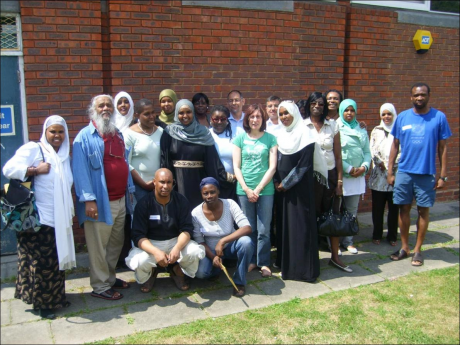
[17,205]
[338,225]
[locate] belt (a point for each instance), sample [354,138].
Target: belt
[188,164]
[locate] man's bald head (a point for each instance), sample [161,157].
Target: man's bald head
[163,182]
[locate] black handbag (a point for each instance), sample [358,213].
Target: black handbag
[338,225]
[18,209]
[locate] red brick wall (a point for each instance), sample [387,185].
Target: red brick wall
[73,51]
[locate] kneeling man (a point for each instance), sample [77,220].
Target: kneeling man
[161,231]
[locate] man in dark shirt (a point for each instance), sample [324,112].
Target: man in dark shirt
[161,231]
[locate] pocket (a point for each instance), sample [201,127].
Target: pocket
[94,160]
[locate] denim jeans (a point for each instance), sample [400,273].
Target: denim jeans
[259,215]
[139,193]
[241,249]
[351,203]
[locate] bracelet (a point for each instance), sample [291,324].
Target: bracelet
[339,181]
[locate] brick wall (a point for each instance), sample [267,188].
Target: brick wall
[75,50]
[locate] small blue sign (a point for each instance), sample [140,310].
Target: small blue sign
[425,39]
[7,120]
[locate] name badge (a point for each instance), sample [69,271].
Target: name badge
[248,142]
[406,127]
[155,217]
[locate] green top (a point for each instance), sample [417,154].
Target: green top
[255,155]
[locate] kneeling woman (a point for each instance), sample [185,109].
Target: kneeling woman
[213,228]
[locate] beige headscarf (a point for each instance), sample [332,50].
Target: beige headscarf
[63,201]
[391,108]
[168,118]
[122,122]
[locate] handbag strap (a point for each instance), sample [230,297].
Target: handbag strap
[31,178]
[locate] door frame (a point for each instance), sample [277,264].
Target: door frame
[22,87]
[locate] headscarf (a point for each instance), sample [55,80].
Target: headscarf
[344,105]
[193,133]
[296,136]
[387,128]
[209,180]
[123,121]
[63,202]
[168,118]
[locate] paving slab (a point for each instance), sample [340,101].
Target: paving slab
[279,290]
[5,313]
[21,312]
[165,313]
[7,291]
[433,258]
[91,327]
[452,233]
[29,333]
[221,302]
[337,280]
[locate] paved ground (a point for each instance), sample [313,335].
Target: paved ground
[89,319]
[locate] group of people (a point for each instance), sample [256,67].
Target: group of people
[183,191]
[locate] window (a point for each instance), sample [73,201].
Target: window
[450,6]
[9,32]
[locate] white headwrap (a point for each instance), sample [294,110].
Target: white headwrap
[123,122]
[63,201]
[387,128]
[296,136]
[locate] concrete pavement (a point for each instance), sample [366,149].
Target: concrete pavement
[89,319]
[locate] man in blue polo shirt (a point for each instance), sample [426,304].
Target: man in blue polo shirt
[421,131]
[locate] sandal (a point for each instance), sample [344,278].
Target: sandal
[417,260]
[266,273]
[148,285]
[376,242]
[121,284]
[398,255]
[109,294]
[180,281]
[392,243]
[241,291]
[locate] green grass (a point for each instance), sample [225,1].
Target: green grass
[421,308]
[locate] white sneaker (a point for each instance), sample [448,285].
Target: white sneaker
[352,250]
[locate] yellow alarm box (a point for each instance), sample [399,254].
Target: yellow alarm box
[422,41]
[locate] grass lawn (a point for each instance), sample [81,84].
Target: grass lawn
[421,308]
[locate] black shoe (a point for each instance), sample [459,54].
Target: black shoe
[340,267]
[47,314]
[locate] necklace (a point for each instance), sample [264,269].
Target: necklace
[149,134]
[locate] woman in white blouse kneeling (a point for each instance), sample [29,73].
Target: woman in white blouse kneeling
[213,228]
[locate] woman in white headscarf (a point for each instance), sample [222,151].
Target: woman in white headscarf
[45,255]
[124,110]
[382,193]
[299,163]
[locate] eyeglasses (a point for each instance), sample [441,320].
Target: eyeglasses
[110,151]
[317,104]
[235,100]
[218,119]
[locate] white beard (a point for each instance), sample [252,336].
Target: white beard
[104,126]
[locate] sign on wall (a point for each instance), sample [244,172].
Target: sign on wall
[7,120]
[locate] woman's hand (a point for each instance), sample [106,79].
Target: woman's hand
[43,168]
[149,185]
[220,248]
[217,262]
[338,189]
[91,209]
[279,187]
[357,172]
[252,197]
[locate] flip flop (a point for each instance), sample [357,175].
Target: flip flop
[398,255]
[148,285]
[180,281]
[417,260]
[121,284]
[392,243]
[376,241]
[109,294]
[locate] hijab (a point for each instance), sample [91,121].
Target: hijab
[344,105]
[168,118]
[296,136]
[123,121]
[387,128]
[63,201]
[193,133]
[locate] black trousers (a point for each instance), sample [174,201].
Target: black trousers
[379,199]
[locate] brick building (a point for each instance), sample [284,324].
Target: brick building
[69,51]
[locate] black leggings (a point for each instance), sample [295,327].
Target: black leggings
[379,199]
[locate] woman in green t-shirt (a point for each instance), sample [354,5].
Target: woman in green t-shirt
[254,162]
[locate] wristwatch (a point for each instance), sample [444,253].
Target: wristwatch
[443,178]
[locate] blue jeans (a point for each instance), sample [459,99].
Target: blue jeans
[139,193]
[241,249]
[259,215]
[351,203]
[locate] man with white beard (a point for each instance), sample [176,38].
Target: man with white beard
[102,185]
